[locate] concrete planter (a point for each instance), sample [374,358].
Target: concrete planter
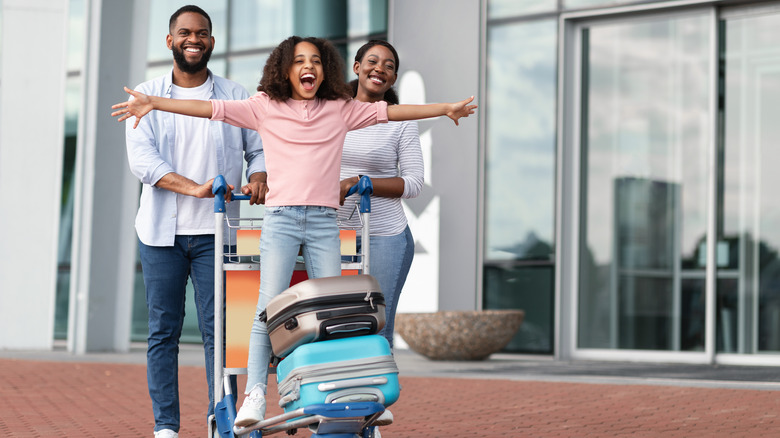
[458,335]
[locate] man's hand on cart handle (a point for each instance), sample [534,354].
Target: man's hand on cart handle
[206,190]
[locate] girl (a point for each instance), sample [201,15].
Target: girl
[303,111]
[391,155]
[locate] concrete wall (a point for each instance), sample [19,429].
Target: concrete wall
[32,95]
[106,193]
[438,43]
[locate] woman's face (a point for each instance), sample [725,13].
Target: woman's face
[305,73]
[376,72]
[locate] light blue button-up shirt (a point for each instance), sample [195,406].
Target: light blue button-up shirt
[150,153]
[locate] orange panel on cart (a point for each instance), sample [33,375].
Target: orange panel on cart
[248,242]
[241,302]
[348,242]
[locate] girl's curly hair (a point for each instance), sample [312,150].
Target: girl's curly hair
[276,84]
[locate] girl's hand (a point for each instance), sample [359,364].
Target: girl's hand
[461,109]
[346,184]
[139,106]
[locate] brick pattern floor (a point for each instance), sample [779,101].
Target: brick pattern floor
[59,399]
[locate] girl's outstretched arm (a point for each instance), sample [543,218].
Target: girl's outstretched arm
[141,104]
[414,112]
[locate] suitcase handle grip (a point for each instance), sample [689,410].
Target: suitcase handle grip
[350,327]
[351,383]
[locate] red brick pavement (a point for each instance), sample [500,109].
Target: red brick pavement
[69,399]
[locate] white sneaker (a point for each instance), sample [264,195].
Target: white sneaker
[166,433]
[384,419]
[252,411]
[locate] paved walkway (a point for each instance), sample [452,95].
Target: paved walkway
[61,395]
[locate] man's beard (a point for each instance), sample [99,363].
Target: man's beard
[187,67]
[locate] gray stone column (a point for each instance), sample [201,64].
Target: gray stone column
[438,42]
[106,193]
[32,126]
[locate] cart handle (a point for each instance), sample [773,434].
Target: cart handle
[220,189]
[364,188]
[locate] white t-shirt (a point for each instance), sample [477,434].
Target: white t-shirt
[194,157]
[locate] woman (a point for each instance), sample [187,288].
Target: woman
[391,156]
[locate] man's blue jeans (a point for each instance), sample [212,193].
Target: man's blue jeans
[165,271]
[286,231]
[391,258]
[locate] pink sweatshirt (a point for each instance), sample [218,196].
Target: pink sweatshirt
[302,141]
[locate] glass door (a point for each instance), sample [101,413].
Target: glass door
[748,279]
[645,141]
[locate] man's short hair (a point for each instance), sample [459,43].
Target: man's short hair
[188,8]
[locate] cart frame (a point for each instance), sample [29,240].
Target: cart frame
[224,400]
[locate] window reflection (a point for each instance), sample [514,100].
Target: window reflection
[247,70]
[507,8]
[520,162]
[76,36]
[749,310]
[72,105]
[367,17]
[572,4]
[644,143]
[259,23]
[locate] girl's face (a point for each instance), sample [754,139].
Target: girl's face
[376,73]
[305,73]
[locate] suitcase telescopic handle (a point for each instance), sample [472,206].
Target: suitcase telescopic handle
[352,383]
[364,188]
[220,189]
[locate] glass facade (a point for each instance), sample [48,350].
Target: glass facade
[645,143]
[76,40]
[509,8]
[520,177]
[748,300]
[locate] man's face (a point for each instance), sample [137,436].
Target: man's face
[191,42]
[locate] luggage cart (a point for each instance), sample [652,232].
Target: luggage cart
[333,420]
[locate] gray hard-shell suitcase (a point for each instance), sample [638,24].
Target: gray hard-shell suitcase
[324,308]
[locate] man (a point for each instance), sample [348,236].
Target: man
[176,158]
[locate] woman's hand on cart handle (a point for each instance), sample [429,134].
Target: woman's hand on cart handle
[363,187]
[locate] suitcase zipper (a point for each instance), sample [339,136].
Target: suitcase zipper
[314,304]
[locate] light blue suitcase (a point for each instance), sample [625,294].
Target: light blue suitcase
[351,370]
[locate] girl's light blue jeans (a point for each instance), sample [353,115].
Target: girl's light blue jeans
[286,230]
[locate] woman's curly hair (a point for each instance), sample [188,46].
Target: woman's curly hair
[276,84]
